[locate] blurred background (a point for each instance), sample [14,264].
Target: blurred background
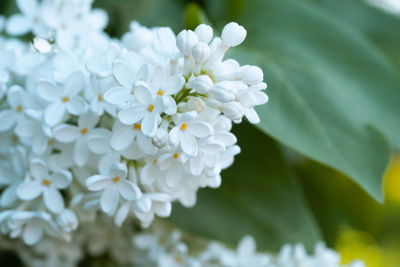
[273,191]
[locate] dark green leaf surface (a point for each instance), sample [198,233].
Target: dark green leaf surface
[338,202]
[259,196]
[147,12]
[333,96]
[379,26]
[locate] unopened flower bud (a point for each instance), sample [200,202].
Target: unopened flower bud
[185,41]
[202,84]
[251,74]
[196,104]
[68,220]
[204,32]
[233,110]
[224,91]
[143,204]
[201,52]
[233,34]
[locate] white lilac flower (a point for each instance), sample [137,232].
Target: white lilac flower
[62,99]
[18,100]
[113,183]
[34,129]
[145,110]
[129,76]
[80,135]
[186,131]
[30,19]
[46,183]
[30,225]
[125,135]
[102,65]
[126,126]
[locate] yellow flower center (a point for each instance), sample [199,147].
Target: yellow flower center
[99,98]
[160,92]
[46,182]
[179,259]
[137,126]
[154,161]
[176,155]
[51,141]
[65,99]
[183,126]
[84,131]
[116,179]
[19,108]
[150,108]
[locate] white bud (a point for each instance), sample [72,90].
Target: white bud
[233,110]
[185,41]
[204,32]
[143,204]
[224,91]
[222,95]
[202,84]
[251,74]
[233,34]
[196,104]
[68,220]
[163,209]
[201,52]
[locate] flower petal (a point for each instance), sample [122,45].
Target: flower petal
[27,7]
[122,213]
[200,129]
[53,200]
[66,133]
[8,118]
[143,94]
[33,232]
[29,190]
[76,105]
[74,84]
[175,136]
[98,182]
[9,195]
[131,115]
[61,180]
[117,95]
[15,96]
[54,113]
[109,199]
[123,73]
[38,169]
[128,190]
[189,145]
[81,152]
[99,144]
[88,120]
[17,25]
[149,125]
[48,91]
[122,138]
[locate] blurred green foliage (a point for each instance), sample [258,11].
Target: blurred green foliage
[260,196]
[333,73]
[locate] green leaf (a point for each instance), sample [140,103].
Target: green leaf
[379,26]
[147,12]
[259,196]
[333,96]
[194,16]
[337,202]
